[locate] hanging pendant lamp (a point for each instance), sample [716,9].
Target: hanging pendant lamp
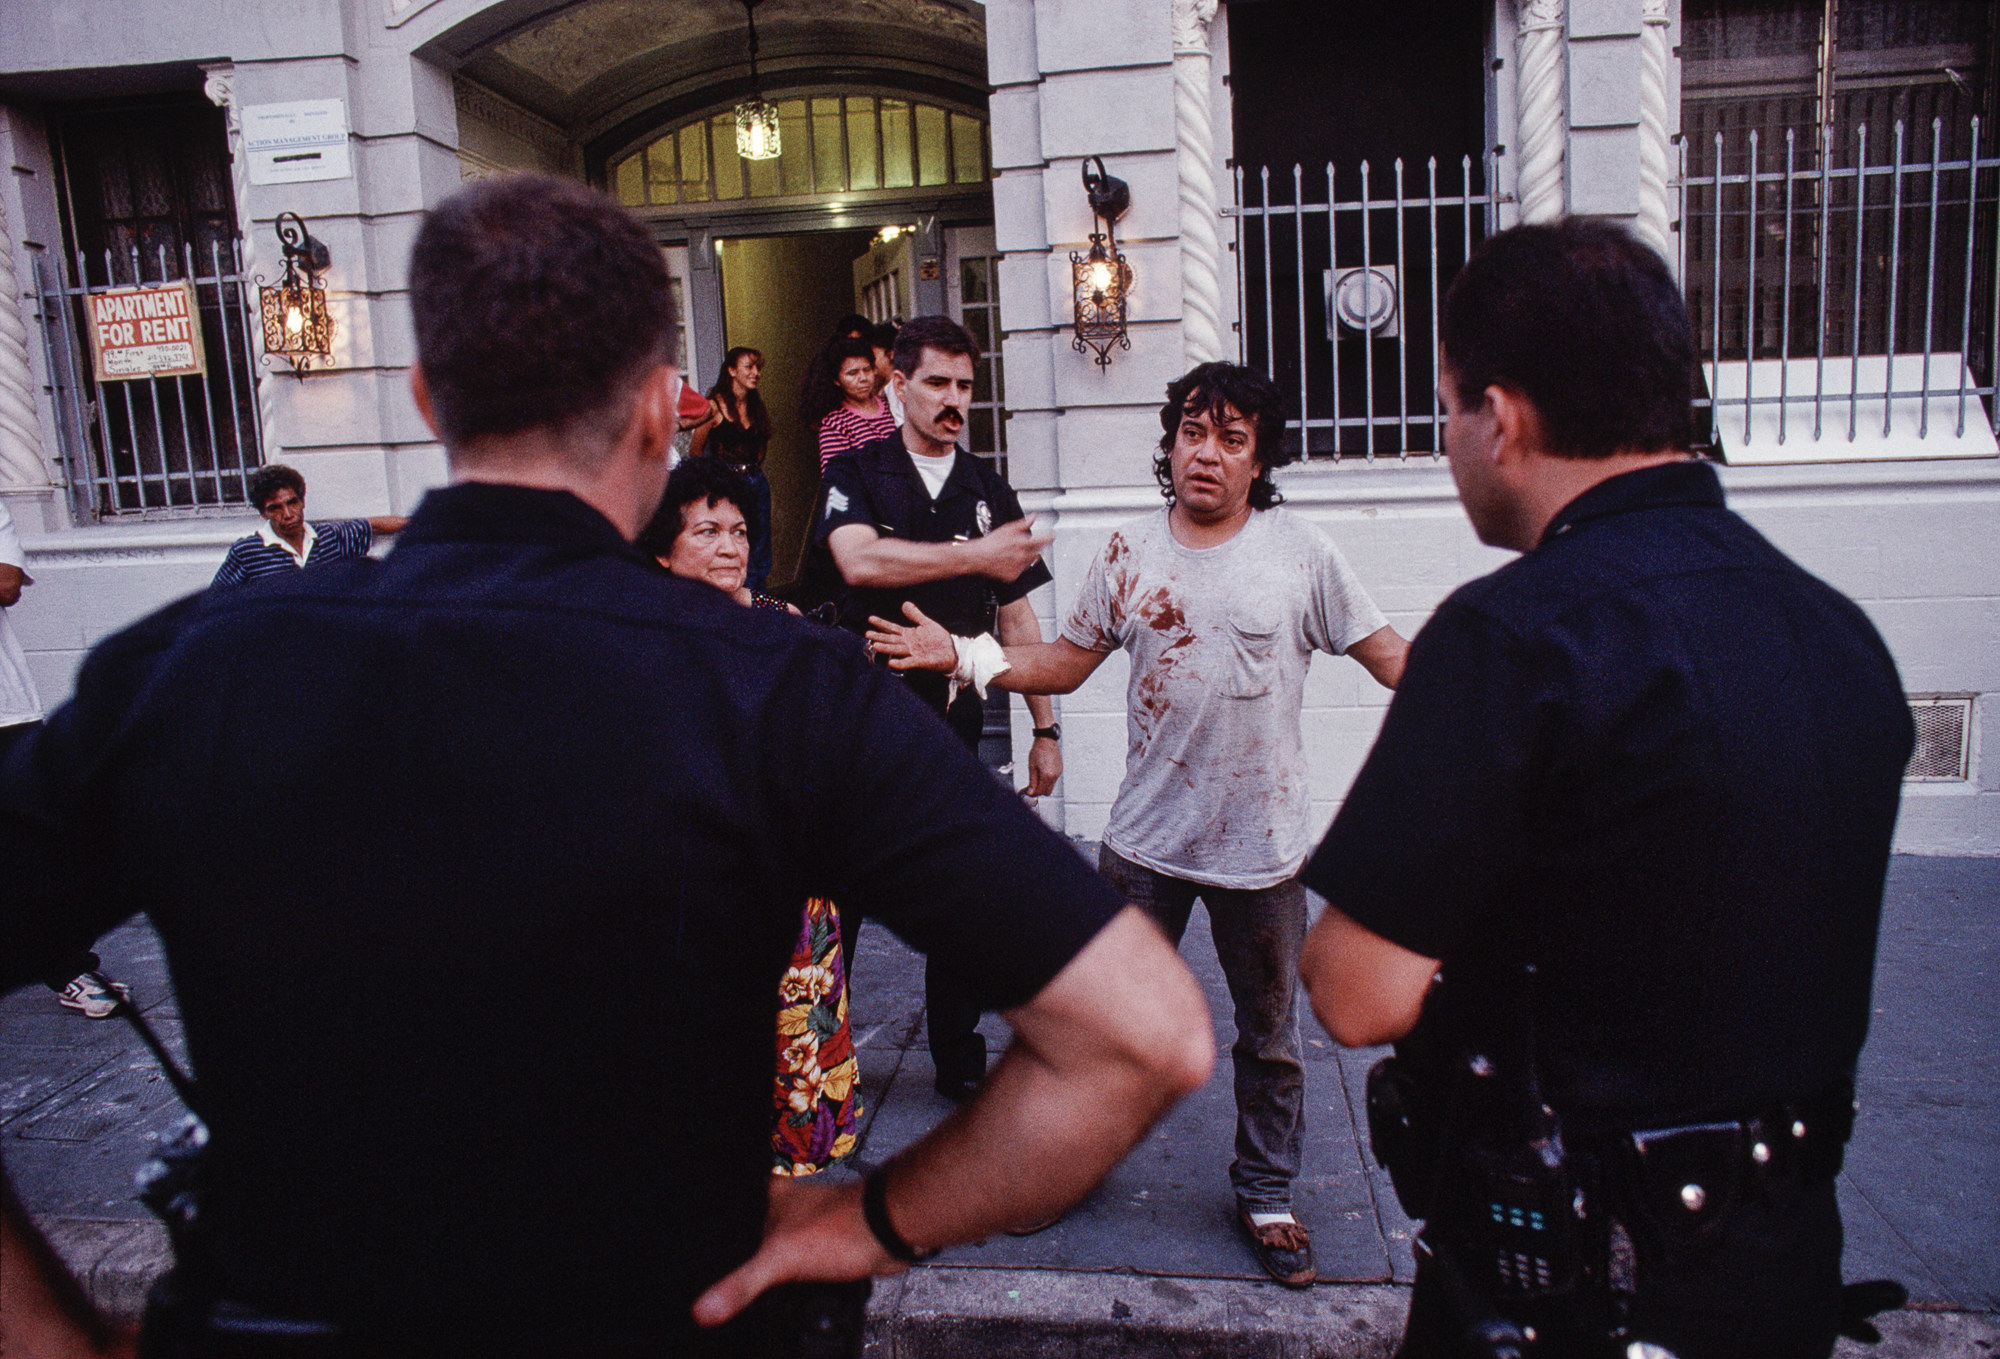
[756,120]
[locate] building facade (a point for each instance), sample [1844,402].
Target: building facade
[1303,180]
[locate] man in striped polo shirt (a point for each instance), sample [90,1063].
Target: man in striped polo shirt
[287,542]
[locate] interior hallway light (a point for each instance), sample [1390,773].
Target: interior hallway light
[296,324]
[1102,278]
[756,121]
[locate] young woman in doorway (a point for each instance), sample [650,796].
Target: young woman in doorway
[738,437]
[862,414]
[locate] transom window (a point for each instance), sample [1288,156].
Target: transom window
[830,144]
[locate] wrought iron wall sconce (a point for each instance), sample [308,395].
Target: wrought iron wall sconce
[1101,277]
[756,121]
[296,324]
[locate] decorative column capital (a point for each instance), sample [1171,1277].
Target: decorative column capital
[1191,21]
[1539,14]
[1654,12]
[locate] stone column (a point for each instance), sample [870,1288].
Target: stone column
[21,463]
[1194,135]
[1544,120]
[220,87]
[1655,221]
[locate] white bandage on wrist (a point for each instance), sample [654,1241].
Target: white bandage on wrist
[979,660]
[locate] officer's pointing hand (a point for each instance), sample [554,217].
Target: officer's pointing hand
[812,1232]
[1009,549]
[927,646]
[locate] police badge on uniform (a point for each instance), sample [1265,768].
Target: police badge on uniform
[983,517]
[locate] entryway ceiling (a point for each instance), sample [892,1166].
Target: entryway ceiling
[593,64]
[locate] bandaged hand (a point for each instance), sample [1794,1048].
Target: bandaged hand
[969,661]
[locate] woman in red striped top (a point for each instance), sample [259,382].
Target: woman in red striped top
[863,415]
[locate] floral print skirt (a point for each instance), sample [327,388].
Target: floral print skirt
[817,1100]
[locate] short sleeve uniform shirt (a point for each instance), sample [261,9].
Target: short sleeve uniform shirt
[878,485]
[1661,762]
[1216,788]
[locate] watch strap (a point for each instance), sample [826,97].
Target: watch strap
[875,1211]
[1053,731]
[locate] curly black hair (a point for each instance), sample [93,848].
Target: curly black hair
[266,482]
[1213,389]
[707,481]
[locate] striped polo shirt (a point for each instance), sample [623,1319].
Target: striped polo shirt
[263,553]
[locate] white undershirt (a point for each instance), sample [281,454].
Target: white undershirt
[934,471]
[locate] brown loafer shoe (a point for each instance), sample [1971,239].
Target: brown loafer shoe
[1283,1249]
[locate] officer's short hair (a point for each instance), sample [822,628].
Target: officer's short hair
[1587,324]
[539,304]
[704,481]
[930,332]
[1206,389]
[266,482]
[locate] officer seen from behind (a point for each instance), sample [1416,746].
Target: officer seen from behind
[1612,872]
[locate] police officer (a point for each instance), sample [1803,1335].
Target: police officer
[1614,868]
[914,518]
[594,766]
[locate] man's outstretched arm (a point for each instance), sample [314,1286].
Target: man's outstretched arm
[1099,1055]
[1056,667]
[1382,653]
[1365,989]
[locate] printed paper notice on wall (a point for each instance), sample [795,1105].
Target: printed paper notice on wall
[145,332]
[292,143]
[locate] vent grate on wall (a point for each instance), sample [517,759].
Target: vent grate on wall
[1943,751]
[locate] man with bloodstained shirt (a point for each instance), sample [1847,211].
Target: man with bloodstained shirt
[1221,599]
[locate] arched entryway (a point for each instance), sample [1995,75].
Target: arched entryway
[879,201]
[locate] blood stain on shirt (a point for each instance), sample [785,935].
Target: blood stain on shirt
[1162,612]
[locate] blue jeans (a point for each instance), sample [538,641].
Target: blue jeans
[1259,933]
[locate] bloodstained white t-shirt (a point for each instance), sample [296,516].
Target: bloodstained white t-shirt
[1216,789]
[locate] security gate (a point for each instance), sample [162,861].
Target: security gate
[1844,294]
[155,445]
[1339,296]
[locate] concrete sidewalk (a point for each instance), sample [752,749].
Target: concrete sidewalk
[1151,1263]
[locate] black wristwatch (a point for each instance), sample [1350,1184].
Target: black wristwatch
[1053,731]
[875,1211]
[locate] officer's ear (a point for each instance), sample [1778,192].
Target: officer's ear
[1516,426]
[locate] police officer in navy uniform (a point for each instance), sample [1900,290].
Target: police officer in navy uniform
[916,519]
[1613,870]
[595,766]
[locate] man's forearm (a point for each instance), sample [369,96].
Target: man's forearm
[1071,1096]
[892,563]
[1045,668]
[1099,1054]
[1018,626]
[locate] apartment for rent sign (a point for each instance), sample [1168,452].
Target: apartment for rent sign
[145,332]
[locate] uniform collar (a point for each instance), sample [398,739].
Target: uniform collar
[478,511]
[1691,484]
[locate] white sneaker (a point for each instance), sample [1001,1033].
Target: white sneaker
[97,998]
